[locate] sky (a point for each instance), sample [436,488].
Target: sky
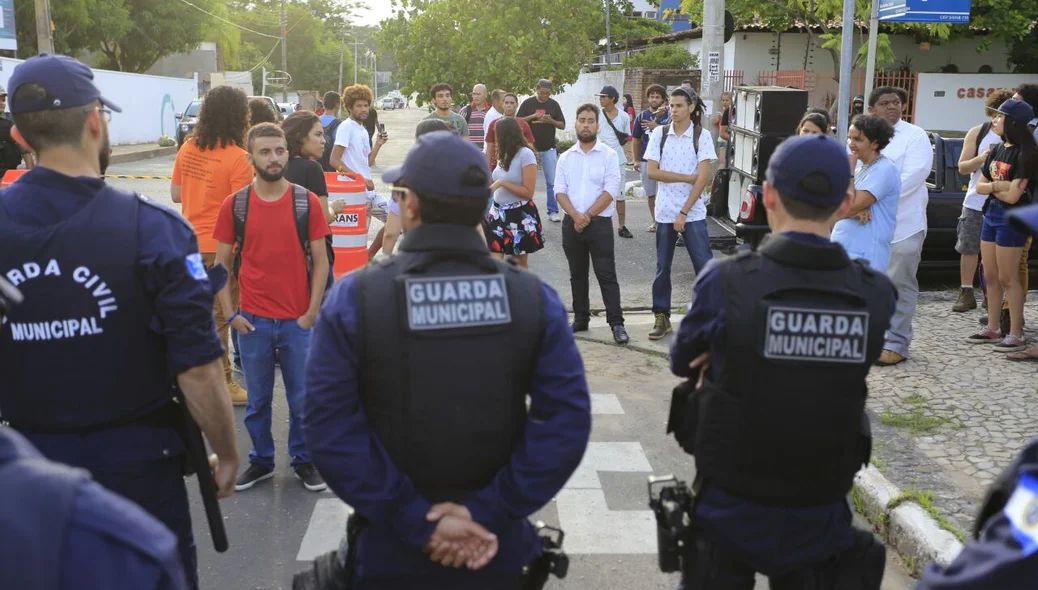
[373,11]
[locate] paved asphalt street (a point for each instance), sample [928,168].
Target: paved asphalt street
[278,525]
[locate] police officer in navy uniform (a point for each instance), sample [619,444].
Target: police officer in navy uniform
[416,408]
[117,305]
[781,340]
[59,530]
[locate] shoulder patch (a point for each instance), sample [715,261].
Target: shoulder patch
[1022,512]
[195,267]
[440,303]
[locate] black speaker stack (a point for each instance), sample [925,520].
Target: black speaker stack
[764,116]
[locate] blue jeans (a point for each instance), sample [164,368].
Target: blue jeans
[291,342]
[549,161]
[697,242]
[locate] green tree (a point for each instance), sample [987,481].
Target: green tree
[125,35]
[670,56]
[500,43]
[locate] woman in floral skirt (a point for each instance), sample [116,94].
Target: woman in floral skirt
[513,226]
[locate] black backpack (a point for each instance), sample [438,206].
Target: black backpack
[301,207]
[329,144]
[697,130]
[984,129]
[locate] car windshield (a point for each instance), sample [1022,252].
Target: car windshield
[193,108]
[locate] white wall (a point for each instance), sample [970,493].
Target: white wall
[695,47]
[944,101]
[584,90]
[757,52]
[148,102]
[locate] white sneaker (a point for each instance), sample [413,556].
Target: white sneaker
[555,217]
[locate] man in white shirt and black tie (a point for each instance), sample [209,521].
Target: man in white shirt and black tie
[587,181]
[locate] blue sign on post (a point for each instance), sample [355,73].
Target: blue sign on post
[924,11]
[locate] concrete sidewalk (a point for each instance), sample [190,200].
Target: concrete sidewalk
[121,154]
[904,519]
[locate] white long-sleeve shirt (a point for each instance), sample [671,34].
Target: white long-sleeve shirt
[583,177]
[911,152]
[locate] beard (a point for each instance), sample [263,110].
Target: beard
[270,176]
[105,153]
[586,137]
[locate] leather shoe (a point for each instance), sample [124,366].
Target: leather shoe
[580,326]
[620,334]
[889,358]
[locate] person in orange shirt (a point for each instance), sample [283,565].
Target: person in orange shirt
[210,166]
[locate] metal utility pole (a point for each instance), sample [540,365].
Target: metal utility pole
[870,65]
[609,40]
[284,52]
[712,60]
[44,34]
[374,75]
[846,70]
[342,57]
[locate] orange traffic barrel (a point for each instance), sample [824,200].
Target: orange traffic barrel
[350,228]
[10,176]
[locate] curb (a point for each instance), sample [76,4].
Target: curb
[138,155]
[906,528]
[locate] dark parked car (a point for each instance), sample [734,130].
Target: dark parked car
[744,215]
[187,120]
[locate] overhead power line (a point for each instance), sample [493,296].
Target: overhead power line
[222,19]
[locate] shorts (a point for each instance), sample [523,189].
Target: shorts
[967,232]
[514,229]
[648,184]
[378,206]
[996,229]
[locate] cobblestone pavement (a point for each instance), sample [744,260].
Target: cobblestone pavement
[951,417]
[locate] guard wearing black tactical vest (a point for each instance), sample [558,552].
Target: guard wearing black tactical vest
[416,408]
[782,340]
[117,305]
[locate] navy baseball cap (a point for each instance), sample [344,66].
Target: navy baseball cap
[545,83]
[1024,219]
[610,91]
[443,162]
[1017,110]
[810,168]
[68,83]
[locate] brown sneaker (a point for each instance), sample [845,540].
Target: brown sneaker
[661,328]
[966,301]
[239,396]
[889,358]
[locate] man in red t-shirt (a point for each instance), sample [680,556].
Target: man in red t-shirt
[279,301]
[511,105]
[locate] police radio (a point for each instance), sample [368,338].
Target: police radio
[553,561]
[672,506]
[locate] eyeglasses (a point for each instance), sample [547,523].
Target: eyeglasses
[398,193]
[107,114]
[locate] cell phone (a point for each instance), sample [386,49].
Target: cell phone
[381,128]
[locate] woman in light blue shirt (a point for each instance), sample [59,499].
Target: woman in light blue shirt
[868,229]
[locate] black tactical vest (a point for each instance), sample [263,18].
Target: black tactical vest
[783,426]
[448,344]
[79,353]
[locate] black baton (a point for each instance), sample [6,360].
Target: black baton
[199,464]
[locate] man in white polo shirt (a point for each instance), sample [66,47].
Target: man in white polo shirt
[682,170]
[587,180]
[911,152]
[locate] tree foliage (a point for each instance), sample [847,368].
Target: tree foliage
[510,45]
[670,56]
[125,35]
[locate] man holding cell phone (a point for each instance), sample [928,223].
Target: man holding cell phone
[353,152]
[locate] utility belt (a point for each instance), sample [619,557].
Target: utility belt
[164,416]
[337,570]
